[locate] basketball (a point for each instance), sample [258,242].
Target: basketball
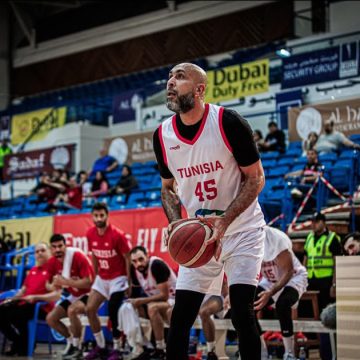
[187,243]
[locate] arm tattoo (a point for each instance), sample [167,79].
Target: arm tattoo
[171,204]
[250,189]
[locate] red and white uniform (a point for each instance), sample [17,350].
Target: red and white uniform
[35,284]
[204,166]
[81,268]
[209,179]
[149,284]
[276,242]
[109,250]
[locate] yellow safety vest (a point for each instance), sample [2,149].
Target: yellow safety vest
[3,152]
[320,261]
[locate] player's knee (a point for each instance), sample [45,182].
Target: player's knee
[50,319]
[283,303]
[205,313]
[73,311]
[153,311]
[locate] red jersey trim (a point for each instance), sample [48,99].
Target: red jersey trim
[162,146]
[223,135]
[203,121]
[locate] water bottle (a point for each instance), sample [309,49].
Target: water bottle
[302,354]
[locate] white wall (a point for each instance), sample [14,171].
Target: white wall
[344,16]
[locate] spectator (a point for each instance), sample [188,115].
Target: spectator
[310,171]
[275,139]
[16,311]
[332,140]
[310,142]
[41,189]
[321,247]
[105,163]
[100,185]
[351,244]
[72,198]
[126,183]
[4,150]
[258,138]
[82,180]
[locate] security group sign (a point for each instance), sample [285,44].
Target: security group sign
[234,82]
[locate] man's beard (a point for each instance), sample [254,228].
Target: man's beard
[182,104]
[100,224]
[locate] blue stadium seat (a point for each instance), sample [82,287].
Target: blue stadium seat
[269,155]
[268,163]
[288,161]
[278,171]
[328,157]
[294,145]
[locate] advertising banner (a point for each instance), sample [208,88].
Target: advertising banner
[125,104]
[323,65]
[234,82]
[22,125]
[131,148]
[345,114]
[25,232]
[144,227]
[29,164]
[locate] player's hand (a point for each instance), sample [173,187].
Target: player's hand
[135,302]
[59,281]
[29,298]
[263,299]
[218,226]
[227,305]
[169,230]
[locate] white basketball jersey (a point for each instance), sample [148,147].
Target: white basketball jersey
[149,283]
[275,242]
[205,170]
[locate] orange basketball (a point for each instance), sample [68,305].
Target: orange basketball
[187,243]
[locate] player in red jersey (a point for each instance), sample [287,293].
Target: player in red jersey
[71,269]
[110,253]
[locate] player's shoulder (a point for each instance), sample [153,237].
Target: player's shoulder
[117,232]
[232,118]
[91,231]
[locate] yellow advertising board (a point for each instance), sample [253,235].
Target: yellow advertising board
[234,82]
[22,125]
[25,232]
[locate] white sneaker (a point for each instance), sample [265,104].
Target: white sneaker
[289,356]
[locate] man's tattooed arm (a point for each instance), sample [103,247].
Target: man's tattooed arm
[250,189]
[170,200]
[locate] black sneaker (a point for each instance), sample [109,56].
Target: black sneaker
[211,356]
[158,354]
[69,350]
[76,353]
[143,356]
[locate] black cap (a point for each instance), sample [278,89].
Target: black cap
[319,217]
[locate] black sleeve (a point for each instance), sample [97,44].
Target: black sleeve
[164,170]
[239,134]
[133,276]
[335,247]
[160,271]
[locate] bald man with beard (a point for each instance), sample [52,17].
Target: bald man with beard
[210,153]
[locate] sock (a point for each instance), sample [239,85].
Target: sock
[76,342]
[116,344]
[264,351]
[160,344]
[68,344]
[100,340]
[210,346]
[289,344]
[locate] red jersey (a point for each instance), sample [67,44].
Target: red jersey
[81,267]
[108,250]
[35,283]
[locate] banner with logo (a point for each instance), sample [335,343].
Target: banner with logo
[345,114]
[284,101]
[329,64]
[234,82]
[22,125]
[131,148]
[144,227]
[24,232]
[29,164]
[125,104]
